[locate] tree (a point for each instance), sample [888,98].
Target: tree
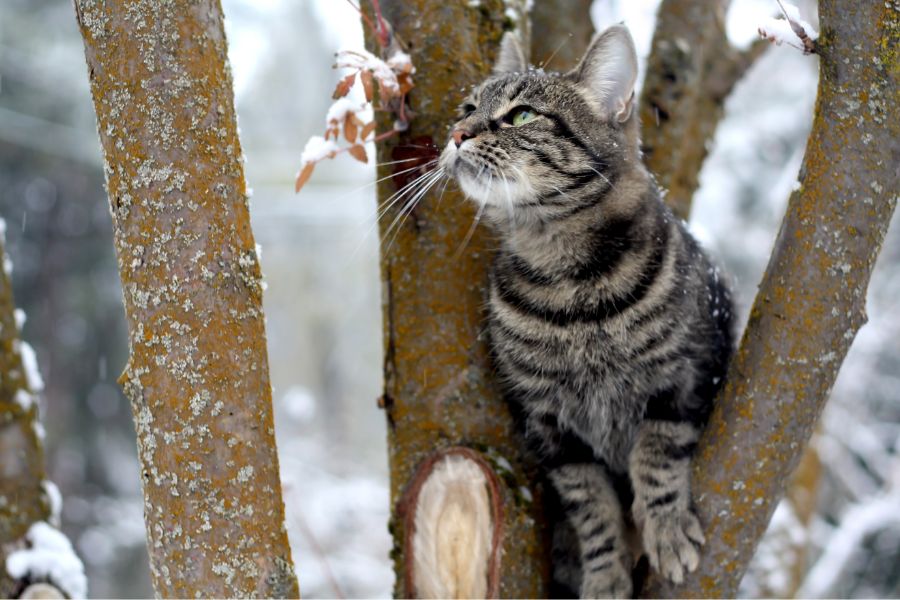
[197,376]
[811,301]
[438,390]
[21,451]
[439,394]
[690,72]
[564,30]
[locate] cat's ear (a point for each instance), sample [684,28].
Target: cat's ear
[608,72]
[511,59]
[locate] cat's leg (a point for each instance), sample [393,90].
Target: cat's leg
[592,508]
[660,470]
[590,554]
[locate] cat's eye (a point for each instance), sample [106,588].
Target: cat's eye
[520,116]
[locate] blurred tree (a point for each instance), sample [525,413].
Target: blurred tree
[691,69]
[560,33]
[24,500]
[197,376]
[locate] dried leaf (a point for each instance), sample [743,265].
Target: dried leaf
[358,152]
[406,83]
[343,86]
[304,176]
[368,85]
[350,127]
[367,130]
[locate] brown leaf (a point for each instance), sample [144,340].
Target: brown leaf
[343,86]
[304,176]
[406,83]
[366,78]
[350,127]
[367,130]
[359,153]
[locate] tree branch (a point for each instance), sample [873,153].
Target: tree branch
[811,301]
[197,374]
[690,71]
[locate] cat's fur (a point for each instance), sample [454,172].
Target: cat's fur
[610,328]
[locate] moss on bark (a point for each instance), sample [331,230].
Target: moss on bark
[197,376]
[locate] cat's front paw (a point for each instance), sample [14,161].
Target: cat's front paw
[672,543]
[612,580]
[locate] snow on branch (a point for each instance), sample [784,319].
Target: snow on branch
[49,557]
[791,30]
[388,77]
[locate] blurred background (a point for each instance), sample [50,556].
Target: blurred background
[839,535]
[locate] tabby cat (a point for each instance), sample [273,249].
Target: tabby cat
[610,328]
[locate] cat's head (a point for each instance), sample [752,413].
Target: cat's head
[534,142]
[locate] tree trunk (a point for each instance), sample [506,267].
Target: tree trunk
[21,451]
[197,376]
[439,395]
[811,301]
[560,33]
[690,71]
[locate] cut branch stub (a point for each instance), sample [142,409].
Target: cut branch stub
[453,515]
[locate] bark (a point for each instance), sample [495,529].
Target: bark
[439,390]
[197,376]
[560,33]
[811,301]
[690,71]
[23,500]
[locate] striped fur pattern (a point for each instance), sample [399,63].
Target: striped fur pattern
[610,328]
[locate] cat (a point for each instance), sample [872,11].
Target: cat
[610,329]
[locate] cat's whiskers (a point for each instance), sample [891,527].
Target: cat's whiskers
[394,198]
[432,178]
[470,232]
[377,181]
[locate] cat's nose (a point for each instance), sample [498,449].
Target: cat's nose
[460,135]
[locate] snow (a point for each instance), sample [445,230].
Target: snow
[363,59]
[401,62]
[30,364]
[24,399]
[856,524]
[339,110]
[20,317]
[55,498]
[793,14]
[779,30]
[299,404]
[316,149]
[50,556]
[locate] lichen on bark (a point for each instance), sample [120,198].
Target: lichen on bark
[197,376]
[811,301]
[439,390]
